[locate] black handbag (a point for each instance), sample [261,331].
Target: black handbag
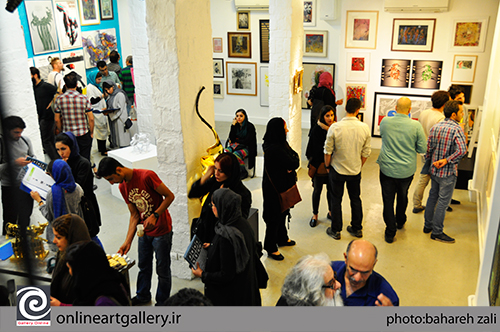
[127,124]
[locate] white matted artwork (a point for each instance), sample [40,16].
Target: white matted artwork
[241,78]
[42,26]
[361,29]
[469,34]
[264,86]
[464,68]
[42,62]
[358,67]
[68,24]
[309,13]
[89,12]
[97,45]
[219,89]
[315,43]
[73,61]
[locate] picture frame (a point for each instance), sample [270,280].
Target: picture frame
[395,73]
[218,67]
[413,34]
[469,34]
[315,43]
[243,20]
[384,104]
[264,86]
[89,12]
[426,74]
[218,89]
[265,36]
[94,50]
[309,17]
[361,116]
[64,11]
[239,44]
[308,78]
[42,27]
[467,89]
[361,29]
[217,44]
[106,10]
[241,78]
[356,91]
[358,67]
[464,68]
[297,80]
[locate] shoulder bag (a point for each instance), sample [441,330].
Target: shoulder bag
[289,197]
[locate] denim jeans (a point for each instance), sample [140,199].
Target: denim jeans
[439,199]
[161,246]
[392,187]
[353,184]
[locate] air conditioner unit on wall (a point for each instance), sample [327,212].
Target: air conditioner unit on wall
[251,4]
[416,6]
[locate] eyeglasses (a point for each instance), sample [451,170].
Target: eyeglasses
[332,286]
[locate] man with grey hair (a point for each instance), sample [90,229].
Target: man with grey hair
[311,282]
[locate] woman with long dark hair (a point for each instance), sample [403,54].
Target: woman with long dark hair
[243,141]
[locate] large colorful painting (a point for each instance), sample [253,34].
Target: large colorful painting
[315,43]
[395,73]
[311,70]
[469,35]
[361,29]
[413,35]
[97,45]
[68,24]
[358,67]
[356,91]
[89,12]
[426,74]
[42,26]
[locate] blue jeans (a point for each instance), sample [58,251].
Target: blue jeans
[161,246]
[439,199]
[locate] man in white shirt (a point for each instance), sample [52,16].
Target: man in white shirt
[347,146]
[55,77]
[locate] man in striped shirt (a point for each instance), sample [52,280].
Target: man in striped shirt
[446,146]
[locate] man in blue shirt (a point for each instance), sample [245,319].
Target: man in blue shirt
[360,285]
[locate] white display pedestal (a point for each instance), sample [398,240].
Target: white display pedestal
[128,158]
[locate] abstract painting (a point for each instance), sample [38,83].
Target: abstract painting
[395,73]
[68,24]
[309,13]
[356,91]
[413,35]
[315,43]
[106,9]
[42,26]
[361,29]
[464,68]
[469,35]
[426,74]
[89,12]
[219,89]
[97,45]
[358,67]
[311,71]
[241,78]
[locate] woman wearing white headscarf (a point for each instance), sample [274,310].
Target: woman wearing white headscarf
[117,100]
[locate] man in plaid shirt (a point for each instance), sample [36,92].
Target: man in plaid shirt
[445,148]
[73,113]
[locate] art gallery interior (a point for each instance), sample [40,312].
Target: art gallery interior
[175,44]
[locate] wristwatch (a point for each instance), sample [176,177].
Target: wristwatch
[157,216]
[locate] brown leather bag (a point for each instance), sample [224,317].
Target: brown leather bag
[288,198]
[321,170]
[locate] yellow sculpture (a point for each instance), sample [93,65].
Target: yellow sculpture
[35,242]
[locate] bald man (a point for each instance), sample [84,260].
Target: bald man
[402,139]
[360,285]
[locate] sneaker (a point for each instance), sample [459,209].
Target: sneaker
[427,230]
[418,209]
[335,235]
[449,209]
[443,238]
[358,233]
[454,201]
[389,239]
[136,301]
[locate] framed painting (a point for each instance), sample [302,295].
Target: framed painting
[361,29]
[89,12]
[219,89]
[309,13]
[297,80]
[67,22]
[264,86]
[395,73]
[469,34]
[385,105]
[265,36]
[426,74]
[42,62]
[358,67]
[243,20]
[93,48]
[467,89]
[464,68]
[73,61]
[218,68]
[217,45]
[315,43]
[42,26]
[106,9]
[239,44]
[356,91]
[241,78]
[361,116]
[413,35]
[311,71]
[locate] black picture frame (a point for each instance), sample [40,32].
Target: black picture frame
[111,15]
[467,89]
[265,31]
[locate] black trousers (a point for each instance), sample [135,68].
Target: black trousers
[48,138]
[17,207]
[353,184]
[85,145]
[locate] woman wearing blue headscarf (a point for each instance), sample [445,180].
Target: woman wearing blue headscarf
[96,97]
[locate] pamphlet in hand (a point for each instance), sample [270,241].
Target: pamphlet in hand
[195,253]
[35,179]
[109,110]
[37,162]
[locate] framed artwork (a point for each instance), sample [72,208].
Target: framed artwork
[219,89]
[469,34]
[42,26]
[413,35]
[361,116]
[264,86]
[97,45]
[315,43]
[297,80]
[89,12]
[395,73]
[243,20]
[106,9]
[356,91]
[361,29]
[358,67]
[218,68]
[309,13]
[67,21]
[265,36]
[239,44]
[311,70]
[464,68]
[73,61]
[426,74]
[385,105]
[241,78]
[217,45]
[467,89]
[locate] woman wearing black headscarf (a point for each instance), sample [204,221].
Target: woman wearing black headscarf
[117,101]
[243,141]
[230,276]
[280,163]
